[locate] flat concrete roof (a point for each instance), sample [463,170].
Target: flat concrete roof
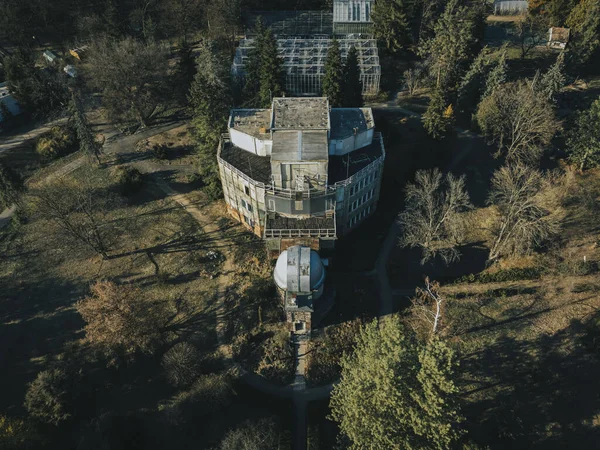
[300,146]
[255,122]
[345,120]
[299,113]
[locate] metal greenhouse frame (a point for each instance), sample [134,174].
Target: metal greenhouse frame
[304,61]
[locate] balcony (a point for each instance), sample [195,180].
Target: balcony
[314,227]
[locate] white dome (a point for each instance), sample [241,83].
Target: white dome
[299,269]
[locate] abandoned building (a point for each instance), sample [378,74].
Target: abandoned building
[299,175]
[304,37]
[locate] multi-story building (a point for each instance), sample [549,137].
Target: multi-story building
[301,173]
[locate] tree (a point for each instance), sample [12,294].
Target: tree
[584,22]
[432,219]
[352,87]
[181,364]
[391,22]
[121,318]
[530,32]
[271,71]
[396,392]
[451,46]
[497,75]
[518,120]
[79,211]
[333,79]
[210,95]
[87,140]
[553,80]
[523,221]
[48,397]
[438,120]
[16,434]
[130,75]
[583,143]
[412,79]
[11,187]
[182,16]
[472,85]
[261,434]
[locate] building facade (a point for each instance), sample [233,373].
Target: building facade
[300,172]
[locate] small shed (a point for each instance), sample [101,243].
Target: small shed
[70,71]
[558,37]
[49,56]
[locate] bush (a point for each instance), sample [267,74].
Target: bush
[59,141]
[129,179]
[517,274]
[15,433]
[577,268]
[49,396]
[160,152]
[181,364]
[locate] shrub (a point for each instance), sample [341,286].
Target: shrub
[59,141]
[129,179]
[160,151]
[48,397]
[260,434]
[577,268]
[181,364]
[516,274]
[15,433]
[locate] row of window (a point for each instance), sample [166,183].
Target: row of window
[362,183]
[365,198]
[246,205]
[354,12]
[364,213]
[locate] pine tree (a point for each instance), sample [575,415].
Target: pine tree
[333,80]
[584,141]
[472,85]
[438,119]
[252,75]
[584,22]
[497,76]
[210,99]
[87,140]
[391,21]
[352,84]
[11,187]
[396,392]
[553,80]
[271,71]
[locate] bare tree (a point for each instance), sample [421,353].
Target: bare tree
[130,75]
[530,32]
[519,120]
[525,219]
[78,209]
[428,305]
[413,79]
[432,218]
[261,434]
[121,318]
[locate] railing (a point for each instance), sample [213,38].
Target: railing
[286,233]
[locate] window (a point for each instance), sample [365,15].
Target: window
[367,12]
[369,210]
[247,205]
[349,12]
[247,190]
[271,205]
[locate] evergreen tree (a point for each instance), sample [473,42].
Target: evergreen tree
[252,75]
[333,80]
[553,80]
[439,117]
[396,392]
[472,85]
[584,141]
[210,99]
[497,76]
[584,22]
[452,45]
[352,95]
[391,21]
[11,187]
[87,140]
[271,71]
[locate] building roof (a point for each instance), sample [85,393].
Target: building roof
[299,270]
[343,167]
[255,122]
[49,55]
[293,113]
[345,120]
[300,146]
[256,167]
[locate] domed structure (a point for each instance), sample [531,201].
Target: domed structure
[299,269]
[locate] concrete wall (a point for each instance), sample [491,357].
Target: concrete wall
[344,146]
[250,143]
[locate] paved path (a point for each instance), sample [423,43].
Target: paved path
[12,141]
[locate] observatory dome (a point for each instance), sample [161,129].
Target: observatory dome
[299,269]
